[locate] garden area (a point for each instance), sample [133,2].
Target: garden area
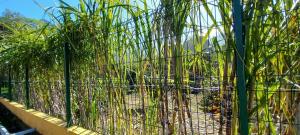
[158,66]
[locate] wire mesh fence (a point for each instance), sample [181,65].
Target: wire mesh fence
[172,70]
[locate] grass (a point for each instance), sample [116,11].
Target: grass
[4,91]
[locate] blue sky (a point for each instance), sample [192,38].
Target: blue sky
[28,8]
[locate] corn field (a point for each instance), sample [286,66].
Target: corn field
[158,67]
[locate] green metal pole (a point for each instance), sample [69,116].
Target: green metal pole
[67,83]
[0,88]
[240,67]
[27,85]
[9,85]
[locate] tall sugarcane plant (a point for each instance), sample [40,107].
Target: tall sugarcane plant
[159,67]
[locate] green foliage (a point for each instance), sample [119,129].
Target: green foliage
[168,48]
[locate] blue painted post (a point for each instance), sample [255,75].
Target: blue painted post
[67,83]
[240,66]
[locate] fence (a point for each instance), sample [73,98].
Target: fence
[185,67]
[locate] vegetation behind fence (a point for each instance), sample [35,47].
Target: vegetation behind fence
[158,67]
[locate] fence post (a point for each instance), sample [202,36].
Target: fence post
[67,83]
[27,84]
[9,84]
[0,88]
[240,66]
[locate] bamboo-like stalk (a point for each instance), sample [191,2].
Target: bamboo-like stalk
[110,39]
